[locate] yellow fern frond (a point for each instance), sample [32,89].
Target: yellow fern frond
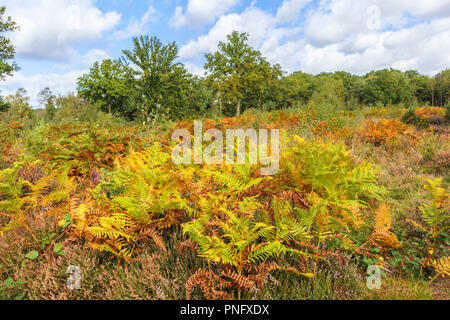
[382,233]
[442,267]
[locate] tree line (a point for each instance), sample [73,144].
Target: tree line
[148,83]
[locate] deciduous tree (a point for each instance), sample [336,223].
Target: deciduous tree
[7,51]
[155,68]
[236,70]
[48,100]
[108,85]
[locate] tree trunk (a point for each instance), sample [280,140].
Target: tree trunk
[238,109]
[432,97]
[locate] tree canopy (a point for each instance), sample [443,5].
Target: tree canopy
[237,71]
[108,85]
[153,66]
[7,51]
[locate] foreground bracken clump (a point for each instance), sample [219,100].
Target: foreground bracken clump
[236,220]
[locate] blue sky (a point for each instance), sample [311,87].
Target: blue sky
[60,39]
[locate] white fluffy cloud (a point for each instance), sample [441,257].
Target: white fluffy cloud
[137,26]
[58,83]
[355,36]
[290,10]
[338,36]
[200,12]
[50,28]
[94,55]
[256,22]
[425,9]
[195,69]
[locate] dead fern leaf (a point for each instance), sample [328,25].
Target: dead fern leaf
[208,281]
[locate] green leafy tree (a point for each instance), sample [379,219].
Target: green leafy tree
[108,85]
[154,69]
[48,100]
[189,96]
[297,87]
[73,108]
[348,80]
[388,86]
[237,71]
[7,51]
[327,100]
[441,88]
[4,106]
[264,86]
[331,92]
[420,86]
[357,89]
[20,108]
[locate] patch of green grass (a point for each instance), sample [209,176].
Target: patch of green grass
[398,288]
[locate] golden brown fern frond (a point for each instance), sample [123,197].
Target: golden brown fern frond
[208,282]
[170,218]
[442,267]
[199,278]
[307,245]
[152,233]
[382,219]
[189,243]
[415,224]
[296,198]
[239,281]
[382,233]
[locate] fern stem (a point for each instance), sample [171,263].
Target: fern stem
[434,278]
[38,247]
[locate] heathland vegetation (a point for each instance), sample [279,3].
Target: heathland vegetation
[87,180]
